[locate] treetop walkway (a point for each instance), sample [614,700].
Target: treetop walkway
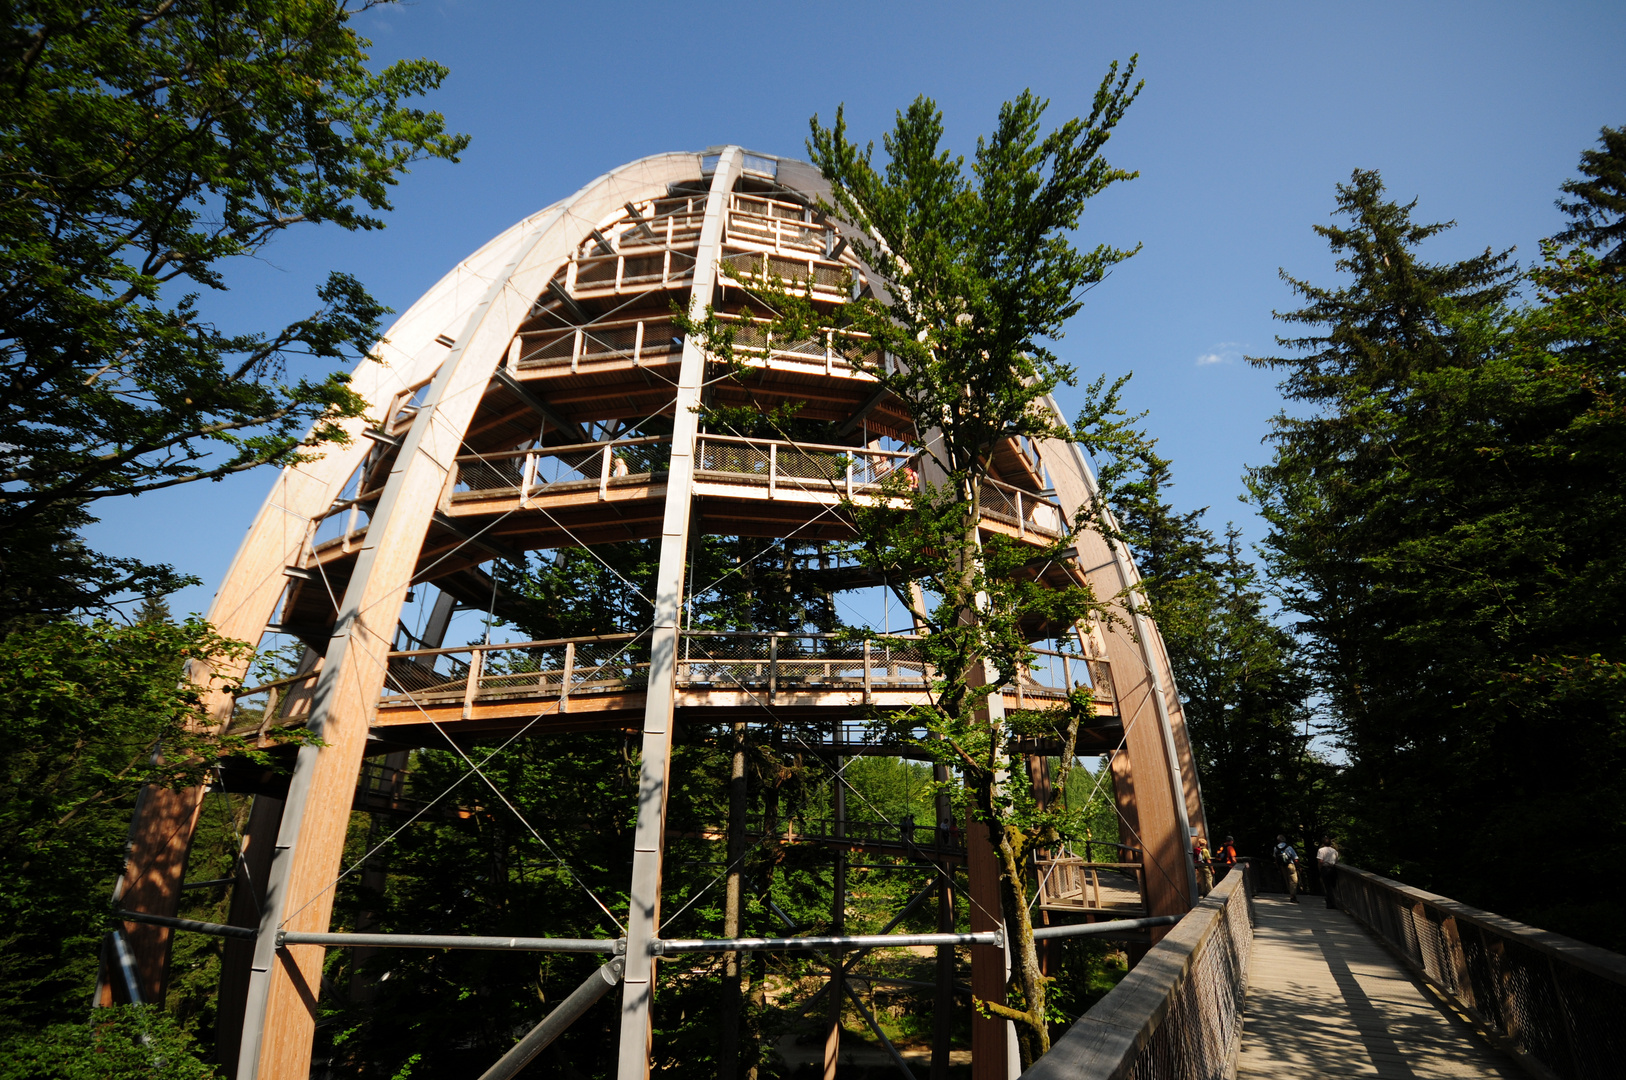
[1399,983]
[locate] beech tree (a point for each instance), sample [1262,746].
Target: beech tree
[977,270]
[142,145]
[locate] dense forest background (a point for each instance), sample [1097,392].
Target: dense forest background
[1426,658]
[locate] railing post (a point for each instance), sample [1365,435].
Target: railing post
[866,671]
[1021,519]
[1067,672]
[773,666]
[773,468]
[850,459]
[604,475]
[576,351]
[527,479]
[569,672]
[472,689]
[638,344]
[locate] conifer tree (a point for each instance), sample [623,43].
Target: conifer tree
[1446,523]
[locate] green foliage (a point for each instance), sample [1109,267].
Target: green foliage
[124,1042]
[1242,682]
[1597,205]
[143,146]
[974,270]
[470,866]
[1448,526]
[90,713]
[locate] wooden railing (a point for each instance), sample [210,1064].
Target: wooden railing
[1179,1012]
[1550,1001]
[765,663]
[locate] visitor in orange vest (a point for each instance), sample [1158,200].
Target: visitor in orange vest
[1226,855]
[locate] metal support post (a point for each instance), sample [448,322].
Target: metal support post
[553,1025]
[943,1008]
[838,923]
[644,896]
[729,1021]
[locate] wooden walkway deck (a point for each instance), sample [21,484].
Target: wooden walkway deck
[1325,999]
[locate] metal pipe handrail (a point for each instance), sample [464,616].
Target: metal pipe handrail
[611,946]
[664,946]
[212,929]
[1047,933]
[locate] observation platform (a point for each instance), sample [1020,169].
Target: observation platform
[816,686]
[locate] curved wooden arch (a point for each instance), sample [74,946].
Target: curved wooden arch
[459,355]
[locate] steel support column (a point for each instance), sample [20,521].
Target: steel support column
[654,767]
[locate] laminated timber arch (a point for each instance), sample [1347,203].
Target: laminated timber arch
[558,327]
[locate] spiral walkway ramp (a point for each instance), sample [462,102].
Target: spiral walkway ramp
[538,397]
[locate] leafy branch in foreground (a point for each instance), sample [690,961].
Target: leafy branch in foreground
[141,148]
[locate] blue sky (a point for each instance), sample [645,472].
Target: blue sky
[1250,115]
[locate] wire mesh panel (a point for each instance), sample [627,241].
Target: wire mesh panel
[819,470]
[738,458]
[1549,997]
[1178,1014]
[490,472]
[522,673]
[609,667]
[779,661]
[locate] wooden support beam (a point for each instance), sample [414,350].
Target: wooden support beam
[570,428]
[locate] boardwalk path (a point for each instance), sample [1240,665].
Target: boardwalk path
[1325,999]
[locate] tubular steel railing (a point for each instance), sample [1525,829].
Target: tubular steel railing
[1179,1012]
[1550,1001]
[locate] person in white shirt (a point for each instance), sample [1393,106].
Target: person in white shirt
[1327,858]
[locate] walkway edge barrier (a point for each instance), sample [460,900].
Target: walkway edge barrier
[1550,1002]
[1179,1012]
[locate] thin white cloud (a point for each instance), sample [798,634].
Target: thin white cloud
[1226,352]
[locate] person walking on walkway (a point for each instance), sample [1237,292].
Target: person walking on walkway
[1326,858]
[1205,866]
[1226,855]
[1288,860]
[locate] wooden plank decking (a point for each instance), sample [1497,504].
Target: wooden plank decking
[1325,999]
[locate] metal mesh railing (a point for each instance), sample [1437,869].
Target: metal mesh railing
[823,470]
[768,661]
[600,341]
[1547,997]
[568,667]
[1178,1014]
[1023,509]
[536,470]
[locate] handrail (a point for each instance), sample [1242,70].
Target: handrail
[1551,1002]
[499,645]
[563,448]
[1182,1004]
[856,451]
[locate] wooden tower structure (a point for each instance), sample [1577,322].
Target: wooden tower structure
[539,396]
